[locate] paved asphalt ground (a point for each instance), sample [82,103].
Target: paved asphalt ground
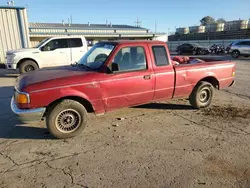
[165,144]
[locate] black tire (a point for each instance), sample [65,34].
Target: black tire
[235,54]
[66,119]
[194,52]
[203,52]
[27,66]
[179,52]
[202,95]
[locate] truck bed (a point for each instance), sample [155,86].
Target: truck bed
[187,75]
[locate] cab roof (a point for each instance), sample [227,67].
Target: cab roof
[134,41]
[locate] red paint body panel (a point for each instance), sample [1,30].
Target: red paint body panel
[111,91]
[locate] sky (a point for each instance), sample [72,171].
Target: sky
[167,14]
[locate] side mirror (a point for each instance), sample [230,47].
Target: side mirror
[114,67]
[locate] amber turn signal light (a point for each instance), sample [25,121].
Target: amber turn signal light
[22,98]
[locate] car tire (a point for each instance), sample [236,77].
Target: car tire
[194,52]
[179,52]
[203,52]
[67,119]
[202,95]
[27,66]
[235,54]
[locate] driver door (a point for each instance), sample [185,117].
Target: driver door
[54,53]
[131,82]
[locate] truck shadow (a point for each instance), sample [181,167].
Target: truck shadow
[13,128]
[165,106]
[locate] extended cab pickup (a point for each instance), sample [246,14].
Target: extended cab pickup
[51,52]
[112,75]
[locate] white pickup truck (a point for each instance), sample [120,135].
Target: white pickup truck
[51,52]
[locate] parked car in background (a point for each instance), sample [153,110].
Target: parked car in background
[51,52]
[194,49]
[240,48]
[129,74]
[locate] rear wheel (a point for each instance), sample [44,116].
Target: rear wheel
[235,54]
[179,52]
[27,66]
[203,52]
[67,119]
[202,95]
[194,52]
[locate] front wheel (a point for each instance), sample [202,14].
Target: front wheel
[235,54]
[67,119]
[202,95]
[27,66]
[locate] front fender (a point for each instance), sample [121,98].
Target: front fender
[33,58]
[45,98]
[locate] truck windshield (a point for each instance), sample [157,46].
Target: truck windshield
[42,42]
[96,56]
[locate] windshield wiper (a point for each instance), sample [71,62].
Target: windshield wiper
[81,65]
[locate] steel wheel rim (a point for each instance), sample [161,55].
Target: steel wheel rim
[204,95]
[67,121]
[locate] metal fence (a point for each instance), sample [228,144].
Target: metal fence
[223,35]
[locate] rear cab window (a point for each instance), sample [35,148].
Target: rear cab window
[75,42]
[160,56]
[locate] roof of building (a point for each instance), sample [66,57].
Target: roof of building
[10,7]
[83,26]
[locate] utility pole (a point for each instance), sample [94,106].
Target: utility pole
[155,27]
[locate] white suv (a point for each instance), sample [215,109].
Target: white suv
[51,52]
[240,48]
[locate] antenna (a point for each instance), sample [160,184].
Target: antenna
[69,21]
[8,3]
[63,22]
[12,3]
[107,22]
[137,22]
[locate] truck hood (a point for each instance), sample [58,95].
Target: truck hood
[23,50]
[53,77]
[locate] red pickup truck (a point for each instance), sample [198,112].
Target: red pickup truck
[112,75]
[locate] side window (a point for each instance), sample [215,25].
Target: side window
[160,55]
[55,44]
[243,43]
[75,42]
[129,59]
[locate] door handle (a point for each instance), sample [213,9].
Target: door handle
[146,77]
[61,52]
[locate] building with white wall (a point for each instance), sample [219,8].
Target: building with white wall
[14,32]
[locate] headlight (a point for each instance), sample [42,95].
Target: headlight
[22,97]
[13,56]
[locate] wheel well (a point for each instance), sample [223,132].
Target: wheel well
[25,59]
[81,100]
[236,50]
[212,80]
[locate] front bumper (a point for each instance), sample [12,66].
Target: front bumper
[11,66]
[27,115]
